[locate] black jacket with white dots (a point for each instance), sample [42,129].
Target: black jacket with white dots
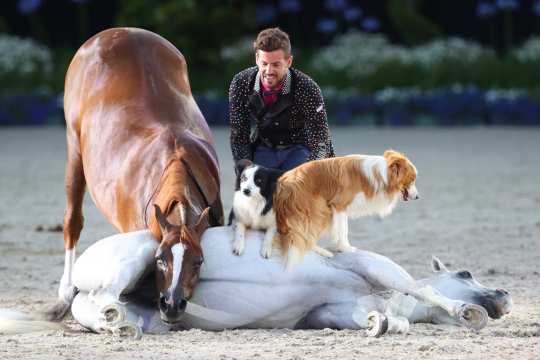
[306,121]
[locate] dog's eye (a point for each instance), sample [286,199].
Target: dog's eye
[258,181]
[464,274]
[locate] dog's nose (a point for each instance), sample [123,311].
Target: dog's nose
[247,191]
[416,197]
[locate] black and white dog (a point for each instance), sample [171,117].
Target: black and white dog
[252,204]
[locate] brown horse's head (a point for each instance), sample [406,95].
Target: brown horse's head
[178,262]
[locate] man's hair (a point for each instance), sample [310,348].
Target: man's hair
[272,39]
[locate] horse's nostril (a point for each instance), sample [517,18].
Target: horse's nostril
[182,305]
[162,303]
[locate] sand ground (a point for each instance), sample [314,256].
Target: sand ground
[479,209]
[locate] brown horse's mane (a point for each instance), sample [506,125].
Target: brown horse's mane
[169,192]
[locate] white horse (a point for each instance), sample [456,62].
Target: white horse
[356,290]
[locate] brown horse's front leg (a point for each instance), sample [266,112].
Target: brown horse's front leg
[73,219]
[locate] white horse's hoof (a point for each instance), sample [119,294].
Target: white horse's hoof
[126,330]
[113,314]
[473,316]
[377,324]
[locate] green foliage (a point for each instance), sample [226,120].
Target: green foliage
[485,73]
[199,29]
[411,25]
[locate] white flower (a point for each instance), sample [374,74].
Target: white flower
[529,51]
[23,56]
[360,54]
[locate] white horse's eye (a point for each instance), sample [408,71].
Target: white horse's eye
[161,265]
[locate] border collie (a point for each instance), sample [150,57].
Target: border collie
[320,195]
[252,204]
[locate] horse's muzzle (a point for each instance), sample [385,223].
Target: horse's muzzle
[171,312]
[497,303]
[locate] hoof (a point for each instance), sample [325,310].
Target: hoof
[377,324]
[473,316]
[113,314]
[126,330]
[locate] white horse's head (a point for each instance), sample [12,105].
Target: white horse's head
[463,286]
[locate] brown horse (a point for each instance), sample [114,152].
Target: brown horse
[136,137]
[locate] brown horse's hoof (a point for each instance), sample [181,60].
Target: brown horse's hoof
[377,324]
[473,316]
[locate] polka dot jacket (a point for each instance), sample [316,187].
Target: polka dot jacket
[308,106]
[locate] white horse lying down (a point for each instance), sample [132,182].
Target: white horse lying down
[357,290]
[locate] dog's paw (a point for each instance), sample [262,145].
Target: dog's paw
[346,248]
[322,252]
[266,252]
[238,248]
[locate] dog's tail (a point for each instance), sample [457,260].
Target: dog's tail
[15,322]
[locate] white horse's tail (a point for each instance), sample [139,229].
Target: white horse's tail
[14,322]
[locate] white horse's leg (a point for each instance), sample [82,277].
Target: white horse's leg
[366,313]
[89,315]
[382,271]
[113,266]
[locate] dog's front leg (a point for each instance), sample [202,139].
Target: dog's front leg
[266,248]
[239,243]
[340,231]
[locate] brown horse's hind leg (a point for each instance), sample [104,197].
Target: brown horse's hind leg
[73,221]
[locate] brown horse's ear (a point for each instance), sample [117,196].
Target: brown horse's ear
[162,220]
[203,222]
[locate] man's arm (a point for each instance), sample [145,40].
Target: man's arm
[239,119]
[318,139]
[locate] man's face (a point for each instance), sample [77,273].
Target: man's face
[273,66]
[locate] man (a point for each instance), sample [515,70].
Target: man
[285,105]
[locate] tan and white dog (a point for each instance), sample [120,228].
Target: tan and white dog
[321,195]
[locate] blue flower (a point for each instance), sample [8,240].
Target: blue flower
[28,6]
[335,5]
[507,4]
[326,26]
[290,6]
[485,9]
[371,24]
[352,13]
[265,14]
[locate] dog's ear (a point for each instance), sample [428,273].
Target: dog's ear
[395,162]
[241,165]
